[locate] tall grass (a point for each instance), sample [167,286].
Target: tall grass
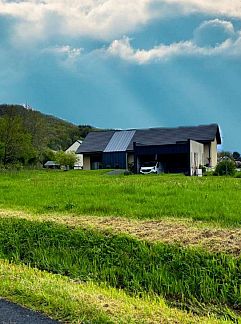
[86,303]
[215,199]
[183,275]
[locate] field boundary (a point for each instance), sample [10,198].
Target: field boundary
[170,231]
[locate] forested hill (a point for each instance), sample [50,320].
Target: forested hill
[46,131]
[29,137]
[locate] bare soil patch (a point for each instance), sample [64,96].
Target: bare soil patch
[183,232]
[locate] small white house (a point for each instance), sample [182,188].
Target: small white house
[72,149]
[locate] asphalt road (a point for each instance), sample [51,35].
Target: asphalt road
[11,313]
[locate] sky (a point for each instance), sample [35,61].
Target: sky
[125,64]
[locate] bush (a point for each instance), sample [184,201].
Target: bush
[225,167]
[65,159]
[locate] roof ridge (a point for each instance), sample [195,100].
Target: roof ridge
[148,128]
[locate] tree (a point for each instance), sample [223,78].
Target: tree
[236,156]
[225,167]
[46,131]
[66,159]
[47,155]
[224,154]
[85,129]
[15,141]
[34,124]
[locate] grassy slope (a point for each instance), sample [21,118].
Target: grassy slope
[184,275]
[94,193]
[75,302]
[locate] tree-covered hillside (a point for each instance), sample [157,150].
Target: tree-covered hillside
[26,134]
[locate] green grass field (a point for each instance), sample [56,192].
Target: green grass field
[216,199]
[53,234]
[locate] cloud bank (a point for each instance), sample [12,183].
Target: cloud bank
[102,19]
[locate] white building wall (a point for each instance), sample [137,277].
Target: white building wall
[214,153]
[211,153]
[86,162]
[196,156]
[72,149]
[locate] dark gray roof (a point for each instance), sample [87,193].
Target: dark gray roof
[120,141]
[95,142]
[165,136]
[113,141]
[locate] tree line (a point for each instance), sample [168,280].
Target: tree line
[30,138]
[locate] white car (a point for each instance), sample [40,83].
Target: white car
[151,168]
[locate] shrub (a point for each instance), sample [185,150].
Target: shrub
[225,167]
[65,159]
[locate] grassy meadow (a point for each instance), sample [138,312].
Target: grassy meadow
[90,244]
[210,199]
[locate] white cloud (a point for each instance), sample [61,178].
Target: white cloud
[213,32]
[122,48]
[226,25]
[66,51]
[102,19]
[66,56]
[224,8]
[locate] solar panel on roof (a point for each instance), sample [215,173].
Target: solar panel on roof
[120,141]
[95,142]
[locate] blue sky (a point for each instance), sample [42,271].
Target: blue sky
[117,64]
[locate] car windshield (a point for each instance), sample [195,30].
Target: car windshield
[148,164]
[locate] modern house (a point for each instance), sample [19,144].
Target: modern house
[73,149]
[179,150]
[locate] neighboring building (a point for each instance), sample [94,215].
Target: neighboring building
[51,165]
[73,149]
[180,150]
